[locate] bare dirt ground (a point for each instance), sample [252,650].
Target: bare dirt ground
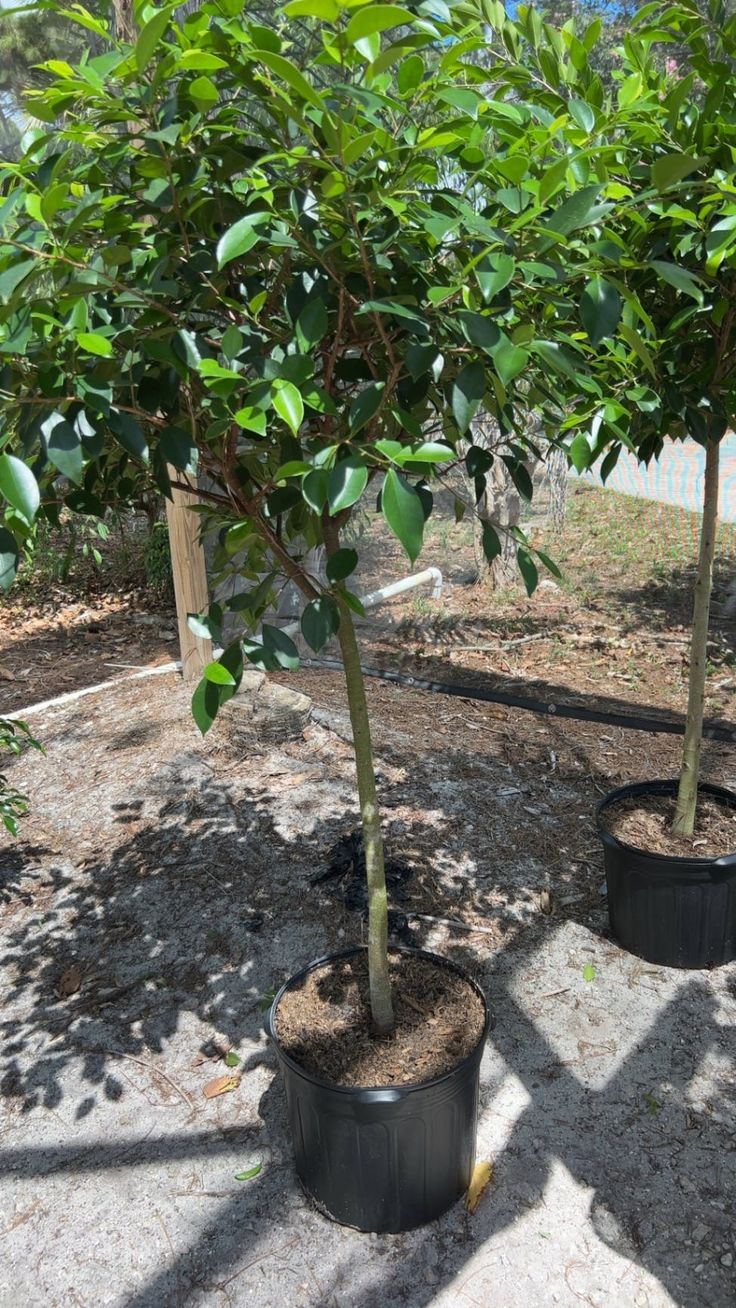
[161,889]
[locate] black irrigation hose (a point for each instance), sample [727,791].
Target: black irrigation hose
[629,721]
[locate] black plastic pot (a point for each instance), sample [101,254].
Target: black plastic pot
[679,912]
[383,1158]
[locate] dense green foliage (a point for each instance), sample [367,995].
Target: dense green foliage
[298,257]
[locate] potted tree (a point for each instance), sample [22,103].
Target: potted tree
[670,845]
[297,259]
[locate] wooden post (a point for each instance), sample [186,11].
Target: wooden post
[190,575]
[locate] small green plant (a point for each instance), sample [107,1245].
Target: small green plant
[157,561]
[13,805]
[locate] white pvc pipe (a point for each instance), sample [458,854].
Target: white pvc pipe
[71,695]
[368,601]
[377,597]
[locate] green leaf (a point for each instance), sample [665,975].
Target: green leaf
[396,310]
[491,543]
[129,434]
[219,675]
[549,563]
[403,512]
[14,275]
[280,647]
[558,358]
[325,9]
[519,474]
[609,463]
[509,360]
[63,446]
[290,74]
[428,452]
[251,419]
[205,625]
[311,325]
[678,277]
[575,211]
[353,603]
[19,486]
[600,309]
[588,972]
[289,405]
[468,390]
[421,359]
[377,18]
[583,114]
[494,273]
[8,559]
[205,705]
[671,168]
[93,343]
[314,489]
[638,345]
[480,330]
[365,406]
[177,449]
[580,453]
[629,90]
[528,570]
[204,92]
[342,563]
[150,36]
[232,343]
[232,1060]
[409,74]
[346,483]
[241,237]
[200,61]
[252,1171]
[320,620]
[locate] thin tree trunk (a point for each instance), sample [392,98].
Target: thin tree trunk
[687,795]
[382,1011]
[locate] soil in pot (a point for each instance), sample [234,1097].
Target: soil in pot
[324,1023]
[645,822]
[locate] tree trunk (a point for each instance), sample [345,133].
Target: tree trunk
[380,985]
[501,505]
[382,1012]
[126,28]
[687,795]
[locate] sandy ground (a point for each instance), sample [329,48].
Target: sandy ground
[169,878]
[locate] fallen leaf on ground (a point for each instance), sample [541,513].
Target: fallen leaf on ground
[70,982]
[220,1086]
[482,1174]
[248,1176]
[231,1059]
[6,674]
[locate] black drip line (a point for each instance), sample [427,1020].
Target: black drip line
[628,721]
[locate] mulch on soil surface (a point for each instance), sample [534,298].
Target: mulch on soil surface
[645,822]
[324,1023]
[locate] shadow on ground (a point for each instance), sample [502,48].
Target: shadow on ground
[193,913]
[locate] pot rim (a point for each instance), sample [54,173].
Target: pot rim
[663,786]
[393,1092]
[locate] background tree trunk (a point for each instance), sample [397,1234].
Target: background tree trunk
[124,24]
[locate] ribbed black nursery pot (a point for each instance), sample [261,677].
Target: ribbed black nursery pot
[383,1158]
[678,912]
